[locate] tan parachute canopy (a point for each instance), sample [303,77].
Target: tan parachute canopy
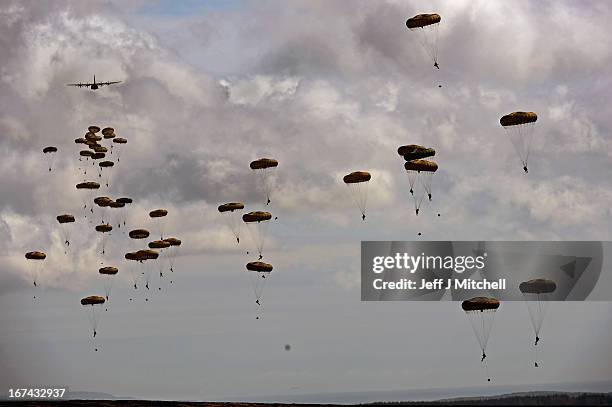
[421,165]
[108,270]
[104,228]
[119,140]
[231,206]
[98,156]
[422,20]
[88,185]
[148,254]
[108,131]
[538,286]
[92,137]
[263,163]
[65,218]
[125,200]
[86,153]
[480,304]
[158,213]
[93,300]
[413,152]
[49,149]
[517,118]
[357,176]
[259,266]
[159,244]
[103,201]
[80,140]
[35,256]
[134,256]
[100,149]
[139,234]
[93,129]
[106,164]
[173,241]
[257,216]
[116,204]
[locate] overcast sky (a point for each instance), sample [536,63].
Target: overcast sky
[325,87]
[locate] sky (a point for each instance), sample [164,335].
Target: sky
[326,88]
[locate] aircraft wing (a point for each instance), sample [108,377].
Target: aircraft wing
[79,84]
[107,83]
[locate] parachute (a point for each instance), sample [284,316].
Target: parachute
[124,201]
[257,224]
[133,269]
[35,265]
[108,132]
[102,202]
[139,234]
[258,273]
[172,251]
[65,221]
[108,273]
[519,128]
[537,295]
[262,167]
[413,152]
[231,212]
[159,216]
[50,155]
[93,129]
[420,171]
[481,313]
[104,228]
[115,217]
[160,245]
[144,255]
[357,182]
[94,302]
[102,166]
[89,187]
[427,27]
[117,142]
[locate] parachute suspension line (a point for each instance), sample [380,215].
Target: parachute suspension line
[359,194]
[428,38]
[521,140]
[258,282]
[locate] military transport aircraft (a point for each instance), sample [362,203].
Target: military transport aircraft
[93,86]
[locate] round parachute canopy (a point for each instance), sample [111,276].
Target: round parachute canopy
[148,254]
[231,207]
[116,204]
[421,165]
[517,118]
[257,216]
[538,286]
[413,152]
[125,200]
[92,137]
[91,143]
[158,213]
[65,218]
[159,244]
[102,201]
[80,140]
[119,140]
[103,228]
[108,130]
[35,256]
[173,241]
[98,156]
[93,129]
[134,256]
[100,149]
[259,266]
[88,185]
[480,304]
[49,149]
[139,234]
[422,20]
[85,153]
[263,163]
[106,164]
[93,300]
[111,271]
[357,176]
